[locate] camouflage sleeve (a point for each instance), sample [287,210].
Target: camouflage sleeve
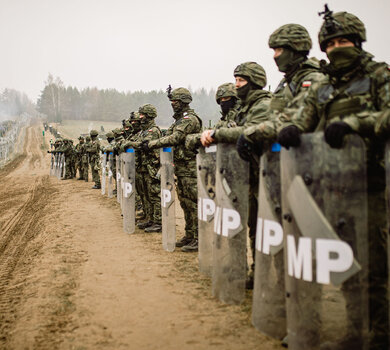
[256,115]
[277,119]
[382,124]
[183,127]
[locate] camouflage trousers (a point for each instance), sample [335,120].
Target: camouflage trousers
[68,168]
[378,271]
[188,198]
[153,194]
[142,190]
[95,170]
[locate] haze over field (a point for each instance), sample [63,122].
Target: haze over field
[146,45]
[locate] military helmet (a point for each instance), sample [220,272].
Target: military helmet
[341,24]
[81,137]
[225,90]
[148,110]
[94,133]
[88,138]
[135,117]
[253,72]
[117,132]
[110,135]
[127,123]
[293,36]
[181,94]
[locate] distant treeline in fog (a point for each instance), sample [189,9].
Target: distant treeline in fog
[58,103]
[13,103]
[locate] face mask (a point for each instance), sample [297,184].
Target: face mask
[226,106]
[285,60]
[343,57]
[243,90]
[177,107]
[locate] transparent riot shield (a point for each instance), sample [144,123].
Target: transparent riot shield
[118,179]
[52,165]
[269,305]
[387,165]
[324,201]
[206,162]
[230,225]
[120,189]
[61,172]
[58,166]
[168,193]
[110,187]
[104,164]
[128,190]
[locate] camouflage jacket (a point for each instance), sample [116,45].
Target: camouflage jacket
[286,100]
[359,98]
[253,111]
[150,160]
[79,150]
[186,123]
[227,120]
[93,149]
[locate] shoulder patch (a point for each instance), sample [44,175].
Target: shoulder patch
[150,130]
[186,117]
[185,113]
[306,83]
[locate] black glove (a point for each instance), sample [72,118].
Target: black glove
[290,136]
[145,146]
[335,132]
[245,147]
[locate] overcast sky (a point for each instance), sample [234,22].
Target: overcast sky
[147,44]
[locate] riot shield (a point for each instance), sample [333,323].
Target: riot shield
[52,166]
[104,164]
[206,162]
[110,187]
[230,225]
[168,193]
[61,173]
[269,305]
[324,201]
[118,179]
[120,189]
[387,165]
[128,190]
[58,165]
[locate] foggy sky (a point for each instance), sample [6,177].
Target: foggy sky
[145,45]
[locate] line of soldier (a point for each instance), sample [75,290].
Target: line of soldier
[332,101]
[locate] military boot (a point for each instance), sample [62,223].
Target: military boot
[154,228]
[191,247]
[184,241]
[143,225]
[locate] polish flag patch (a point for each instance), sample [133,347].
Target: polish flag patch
[186,117]
[306,83]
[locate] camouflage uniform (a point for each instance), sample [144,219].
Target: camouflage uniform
[150,161]
[67,149]
[227,115]
[353,98]
[93,150]
[85,158]
[186,122]
[254,106]
[79,163]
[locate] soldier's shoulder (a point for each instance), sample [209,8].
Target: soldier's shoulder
[379,70]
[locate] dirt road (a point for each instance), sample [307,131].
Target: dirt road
[71,279]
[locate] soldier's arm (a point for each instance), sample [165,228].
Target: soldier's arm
[382,123]
[177,137]
[230,135]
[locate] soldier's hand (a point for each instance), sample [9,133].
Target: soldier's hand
[335,132]
[290,136]
[245,147]
[206,138]
[145,146]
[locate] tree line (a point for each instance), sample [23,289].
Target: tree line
[59,103]
[14,103]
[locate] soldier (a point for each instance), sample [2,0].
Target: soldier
[226,97]
[85,157]
[67,149]
[93,150]
[150,163]
[186,122]
[350,100]
[79,154]
[250,81]
[291,44]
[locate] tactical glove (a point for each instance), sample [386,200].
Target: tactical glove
[290,136]
[335,132]
[145,146]
[245,147]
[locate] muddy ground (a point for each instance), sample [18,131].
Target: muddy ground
[70,278]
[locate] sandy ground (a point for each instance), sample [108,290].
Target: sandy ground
[70,278]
